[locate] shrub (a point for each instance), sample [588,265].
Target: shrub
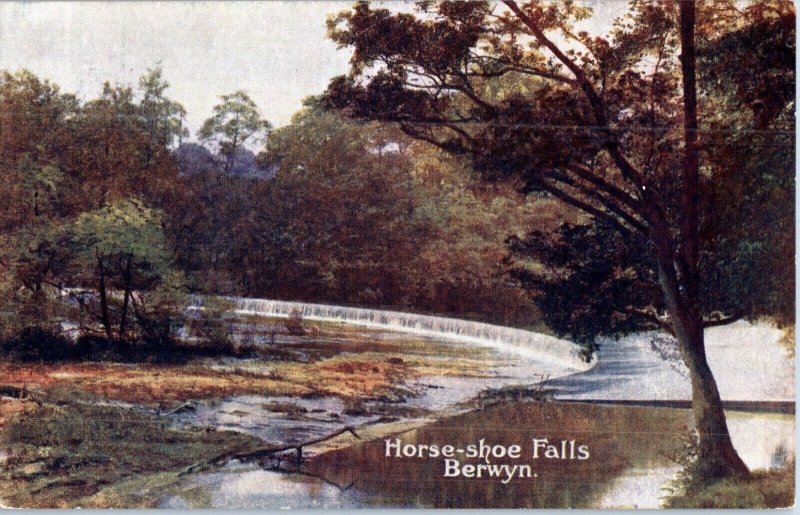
[764,489]
[294,323]
[34,344]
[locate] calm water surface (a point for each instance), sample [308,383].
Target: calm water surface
[628,467]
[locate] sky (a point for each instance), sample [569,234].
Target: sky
[276,51]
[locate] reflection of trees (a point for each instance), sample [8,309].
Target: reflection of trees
[619,438]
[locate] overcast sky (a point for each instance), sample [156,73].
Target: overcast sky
[275,50]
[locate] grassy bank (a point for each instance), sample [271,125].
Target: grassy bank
[61,452]
[765,489]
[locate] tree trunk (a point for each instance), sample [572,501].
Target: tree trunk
[126,297]
[690,199]
[717,456]
[104,317]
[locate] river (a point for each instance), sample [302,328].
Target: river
[631,446]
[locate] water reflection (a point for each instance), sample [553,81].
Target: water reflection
[252,489]
[631,450]
[619,439]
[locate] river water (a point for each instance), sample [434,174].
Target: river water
[627,468]
[632,448]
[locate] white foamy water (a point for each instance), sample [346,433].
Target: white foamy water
[748,362]
[508,340]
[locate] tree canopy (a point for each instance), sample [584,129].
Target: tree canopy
[235,122]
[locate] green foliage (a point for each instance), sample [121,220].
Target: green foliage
[125,227]
[766,489]
[235,122]
[163,117]
[749,194]
[127,235]
[587,280]
[766,47]
[122,246]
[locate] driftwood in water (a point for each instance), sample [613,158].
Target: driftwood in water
[264,452]
[186,406]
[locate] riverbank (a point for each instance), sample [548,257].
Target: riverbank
[633,452]
[75,452]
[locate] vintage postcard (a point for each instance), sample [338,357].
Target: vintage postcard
[420,254]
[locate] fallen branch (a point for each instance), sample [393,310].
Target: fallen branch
[264,452]
[183,407]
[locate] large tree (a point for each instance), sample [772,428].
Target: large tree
[608,125]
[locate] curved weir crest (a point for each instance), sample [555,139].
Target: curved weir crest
[526,344]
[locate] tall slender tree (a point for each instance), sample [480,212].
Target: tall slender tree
[236,122]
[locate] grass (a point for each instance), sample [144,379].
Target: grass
[765,489]
[362,374]
[61,453]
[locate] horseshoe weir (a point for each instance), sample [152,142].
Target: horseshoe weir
[525,344]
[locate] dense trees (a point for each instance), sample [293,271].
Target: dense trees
[356,215]
[80,184]
[104,200]
[606,125]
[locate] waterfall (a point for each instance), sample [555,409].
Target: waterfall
[508,340]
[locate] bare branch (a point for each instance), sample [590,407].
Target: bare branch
[651,316]
[584,206]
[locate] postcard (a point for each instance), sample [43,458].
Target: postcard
[419,254]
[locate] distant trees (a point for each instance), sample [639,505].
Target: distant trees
[330,211]
[33,132]
[355,214]
[163,118]
[235,122]
[347,204]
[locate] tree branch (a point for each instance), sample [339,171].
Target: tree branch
[605,201]
[629,172]
[662,322]
[589,175]
[584,206]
